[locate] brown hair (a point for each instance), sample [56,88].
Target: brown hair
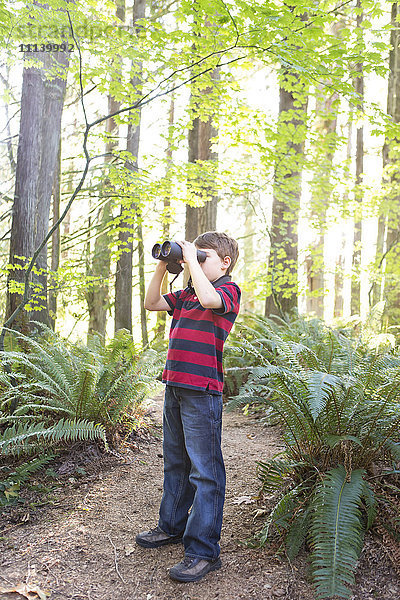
[221,243]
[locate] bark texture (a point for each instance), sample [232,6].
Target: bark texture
[386,285]
[123,277]
[55,242]
[283,260]
[356,266]
[40,129]
[201,134]
[321,194]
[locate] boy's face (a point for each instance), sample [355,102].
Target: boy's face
[214,266]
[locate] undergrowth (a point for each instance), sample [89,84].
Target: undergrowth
[335,395]
[53,393]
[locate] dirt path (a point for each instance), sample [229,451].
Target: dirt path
[84,547]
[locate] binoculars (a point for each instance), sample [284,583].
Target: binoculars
[171,253]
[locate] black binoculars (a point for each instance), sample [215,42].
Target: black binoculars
[171,253]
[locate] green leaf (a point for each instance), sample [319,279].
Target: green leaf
[321,386]
[371,504]
[337,532]
[297,533]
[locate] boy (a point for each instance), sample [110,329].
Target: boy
[194,472]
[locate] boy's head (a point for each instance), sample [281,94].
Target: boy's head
[225,246]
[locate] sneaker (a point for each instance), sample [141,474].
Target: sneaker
[156,537]
[193,569]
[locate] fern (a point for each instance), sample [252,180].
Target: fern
[11,481]
[320,386]
[95,383]
[338,409]
[24,438]
[336,532]
[371,504]
[281,513]
[297,532]
[273,473]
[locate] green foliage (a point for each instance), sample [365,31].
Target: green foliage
[92,382]
[337,402]
[62,392]
[12,478]
[337,531]
[25,438]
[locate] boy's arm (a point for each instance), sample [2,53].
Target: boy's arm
[154,299]
[204,289]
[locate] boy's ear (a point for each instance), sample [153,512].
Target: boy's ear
[226,261]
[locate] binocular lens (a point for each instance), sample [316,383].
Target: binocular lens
[171,252]
[156,251]
[166,249]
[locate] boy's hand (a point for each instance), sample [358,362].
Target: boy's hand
[189,252]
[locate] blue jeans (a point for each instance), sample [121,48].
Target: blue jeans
[194,472]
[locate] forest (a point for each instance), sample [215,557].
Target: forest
[125,123]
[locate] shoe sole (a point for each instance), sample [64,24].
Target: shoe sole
[145,544]
[189,578]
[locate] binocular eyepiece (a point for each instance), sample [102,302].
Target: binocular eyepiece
[171,253]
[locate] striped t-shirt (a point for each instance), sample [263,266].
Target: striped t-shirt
[197,337]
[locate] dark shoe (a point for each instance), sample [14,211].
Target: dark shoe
[193,569]
[156,537]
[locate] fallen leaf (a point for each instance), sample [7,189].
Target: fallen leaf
[129,550]
[31,592]
[243,500]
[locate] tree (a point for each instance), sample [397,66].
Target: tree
[385,284]
[97,295]
[202,132]
[43,89]
[123,276]
[326,121]
[55,241]
[200,139]
[159,330]
[282,266]
[359,89]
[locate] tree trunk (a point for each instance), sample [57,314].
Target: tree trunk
[55,242]
[248,252]
[282,267]
[356,266]
[97,296]
[123,278]
[142,282]
[326,111]
[340,272]
[40,128]
[66,224]
[386,282]
[203,218]
[159,331]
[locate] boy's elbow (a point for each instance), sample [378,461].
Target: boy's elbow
[147,304]
[212,302]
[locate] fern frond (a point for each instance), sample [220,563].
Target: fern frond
[281,514]
[337,532]
[370,503]
[273,473]
[320,387]
[25,437]
[297,532]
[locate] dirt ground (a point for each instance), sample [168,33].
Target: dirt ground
[82,546]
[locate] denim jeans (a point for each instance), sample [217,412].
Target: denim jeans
[194,472]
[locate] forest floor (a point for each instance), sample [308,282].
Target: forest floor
[82,547]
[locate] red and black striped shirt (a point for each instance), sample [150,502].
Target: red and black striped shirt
[197,337]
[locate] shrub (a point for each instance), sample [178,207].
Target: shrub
[340,415]
[57,391]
